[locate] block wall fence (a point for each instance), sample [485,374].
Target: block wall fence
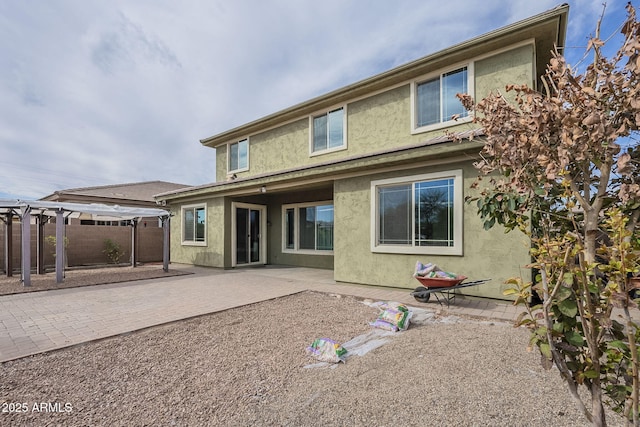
[86,244]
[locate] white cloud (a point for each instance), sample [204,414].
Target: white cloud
[94,93]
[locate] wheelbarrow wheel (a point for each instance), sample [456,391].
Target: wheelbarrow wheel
[424,297]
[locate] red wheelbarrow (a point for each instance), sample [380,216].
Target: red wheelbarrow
[445,287]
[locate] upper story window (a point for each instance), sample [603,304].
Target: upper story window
[239,156]
[194,219]
[328,131]
[434,100]
[420,214]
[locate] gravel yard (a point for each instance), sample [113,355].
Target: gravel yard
[248,366]
[84,277]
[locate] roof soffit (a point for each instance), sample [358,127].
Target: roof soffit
[547,29]
[440,148]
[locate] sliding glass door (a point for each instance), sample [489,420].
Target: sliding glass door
[249,238]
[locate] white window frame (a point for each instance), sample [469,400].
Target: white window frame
[344,131]
[458,215]
[193,208]
[443,123]
[243,169]
[296,228]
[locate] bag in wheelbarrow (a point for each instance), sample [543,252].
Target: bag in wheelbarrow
[434,279]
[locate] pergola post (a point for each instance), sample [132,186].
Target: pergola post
[40,219]
[25,224]
[60,246]
[8,245]
[44,210]
[134,241]
[166,221]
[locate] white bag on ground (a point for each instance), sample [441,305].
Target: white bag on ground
[327,350]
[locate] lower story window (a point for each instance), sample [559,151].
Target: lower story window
[418,214]
[194,222]
[308,228]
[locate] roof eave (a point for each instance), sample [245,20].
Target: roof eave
[464,141]
[397,75]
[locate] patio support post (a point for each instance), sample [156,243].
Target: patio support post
[165,242]
[4,246]
[25,224]
[40,244]
[8,245]
[59,246]
[134,241]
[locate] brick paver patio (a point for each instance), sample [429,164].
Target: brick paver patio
[43,321]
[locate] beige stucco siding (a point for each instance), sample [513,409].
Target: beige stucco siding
[221,163]
[515,66]
[211,254]
[284,147]
[383,121]
[378,122]
[383,148]
[355,262]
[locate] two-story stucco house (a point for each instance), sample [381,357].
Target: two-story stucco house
[364,180]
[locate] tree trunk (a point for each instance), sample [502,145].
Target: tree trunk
[590,234]
[599,418]
[590,247]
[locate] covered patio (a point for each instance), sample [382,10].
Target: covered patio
[41,212]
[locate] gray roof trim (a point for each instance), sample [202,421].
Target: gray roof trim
[391,77]
[466,135]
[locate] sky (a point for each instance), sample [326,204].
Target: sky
[117,91]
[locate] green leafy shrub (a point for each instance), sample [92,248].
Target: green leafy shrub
[113,251]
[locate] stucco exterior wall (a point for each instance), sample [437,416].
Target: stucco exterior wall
[216,252]
[281,148]
[380,145]
[379,122]
[515,66]
[356,263]
[375,123]
[221,163]
[210,254]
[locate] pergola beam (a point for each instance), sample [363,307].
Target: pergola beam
[42,209]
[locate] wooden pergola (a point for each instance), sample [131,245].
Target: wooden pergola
[42,211]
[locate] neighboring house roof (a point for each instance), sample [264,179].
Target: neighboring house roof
[547,28]
[137,193]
